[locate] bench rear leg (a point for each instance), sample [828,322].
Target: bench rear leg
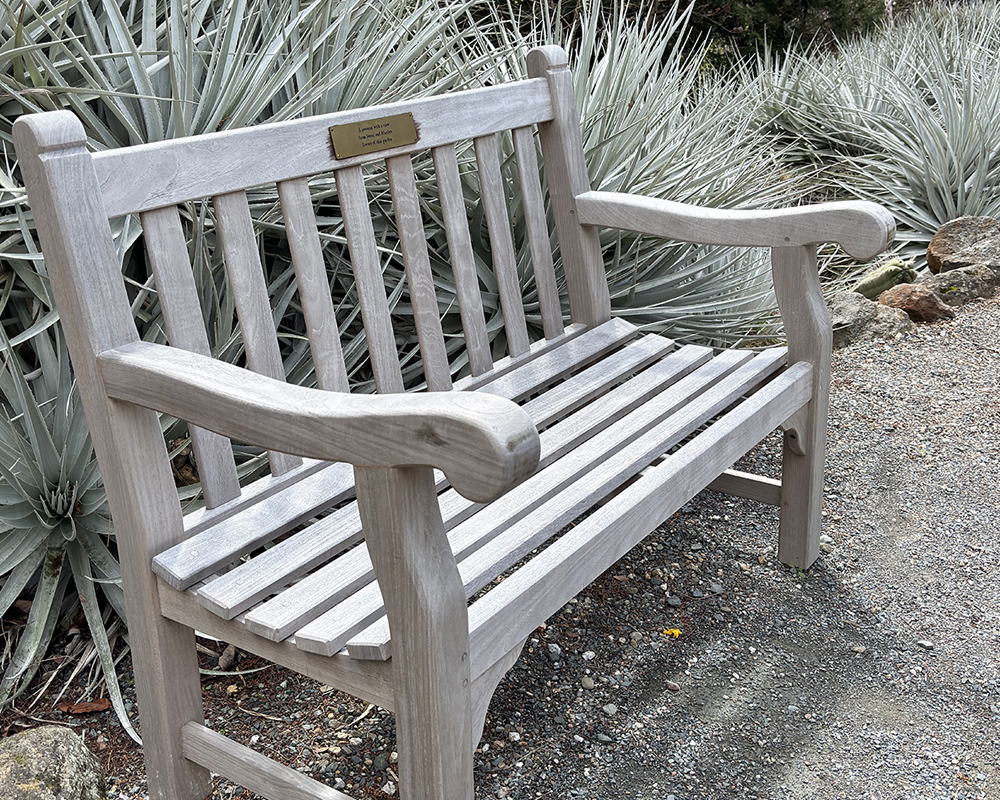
[810,339]
[429,622]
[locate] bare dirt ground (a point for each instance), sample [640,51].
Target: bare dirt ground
[874,674]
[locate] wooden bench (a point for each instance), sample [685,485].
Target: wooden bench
[624,426]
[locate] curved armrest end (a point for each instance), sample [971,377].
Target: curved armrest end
[483,444]
[862,228]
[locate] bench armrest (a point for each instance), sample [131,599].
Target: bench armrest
[483,444]
[863,229]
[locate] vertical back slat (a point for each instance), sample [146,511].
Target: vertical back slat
[368,279]
[463,262]
[412,239]
[314,286]
[566,173]
[166,250]
[538,233]
[501,244]
[246,279]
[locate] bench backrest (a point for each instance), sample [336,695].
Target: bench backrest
[84,190]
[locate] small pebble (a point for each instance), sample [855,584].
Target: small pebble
[587,682]
[926,644]
[610,709]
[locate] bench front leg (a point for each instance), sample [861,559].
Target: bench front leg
[810,339]
[429,622]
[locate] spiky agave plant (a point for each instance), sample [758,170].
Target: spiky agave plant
[56,541]
[909,118]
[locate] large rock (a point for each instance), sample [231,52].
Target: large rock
[49,763]
[965,242]
[957,287]
[856,318]
[921,303]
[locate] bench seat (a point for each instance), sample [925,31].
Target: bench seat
[608,403]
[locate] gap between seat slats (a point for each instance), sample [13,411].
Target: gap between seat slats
[213,547]
[234,591]
[491,544]
[554,488]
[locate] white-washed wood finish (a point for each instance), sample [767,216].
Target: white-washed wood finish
[314,288]
[539,241]
[166,251]
[609,406]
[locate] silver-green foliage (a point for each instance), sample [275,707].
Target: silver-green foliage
[909,118]
[54,521]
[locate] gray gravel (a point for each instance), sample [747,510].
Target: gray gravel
[875,674]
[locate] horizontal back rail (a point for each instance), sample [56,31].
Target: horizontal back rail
[166,173]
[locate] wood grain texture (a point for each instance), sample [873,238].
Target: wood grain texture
[235,591]
[566,173]
[371,681]
[863,229]
[261,490]
[258,773]
[246,281]
[204,553]
[484,444]
[491,542]
[166,252]
[752,487]
[423,299]
[554,364]
[463,261]
[86,281]
[539,242]
[810,339]
[314,286]
[368,279]
[427,613]
[494,198]
[509,363]
[166,173]
[512,609]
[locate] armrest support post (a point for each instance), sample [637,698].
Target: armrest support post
[810,339]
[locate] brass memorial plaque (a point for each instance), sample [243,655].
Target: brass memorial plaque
[373,135]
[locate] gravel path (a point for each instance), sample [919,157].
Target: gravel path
[876,674]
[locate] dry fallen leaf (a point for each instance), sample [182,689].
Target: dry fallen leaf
[101,704]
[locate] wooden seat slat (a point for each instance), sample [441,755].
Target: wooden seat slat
[489,544]
[463,261]
[246,278]
[501,618]
[491,184]
[264,490]
[332,630]
[535,375]
[313,285]
[353,198]
[539,240]
[207,549]
[595,379]
[206,552]
[233,592]
[167,254]
[423,299]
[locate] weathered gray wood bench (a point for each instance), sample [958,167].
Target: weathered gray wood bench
[624,417]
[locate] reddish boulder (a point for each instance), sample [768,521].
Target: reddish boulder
[920,302]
